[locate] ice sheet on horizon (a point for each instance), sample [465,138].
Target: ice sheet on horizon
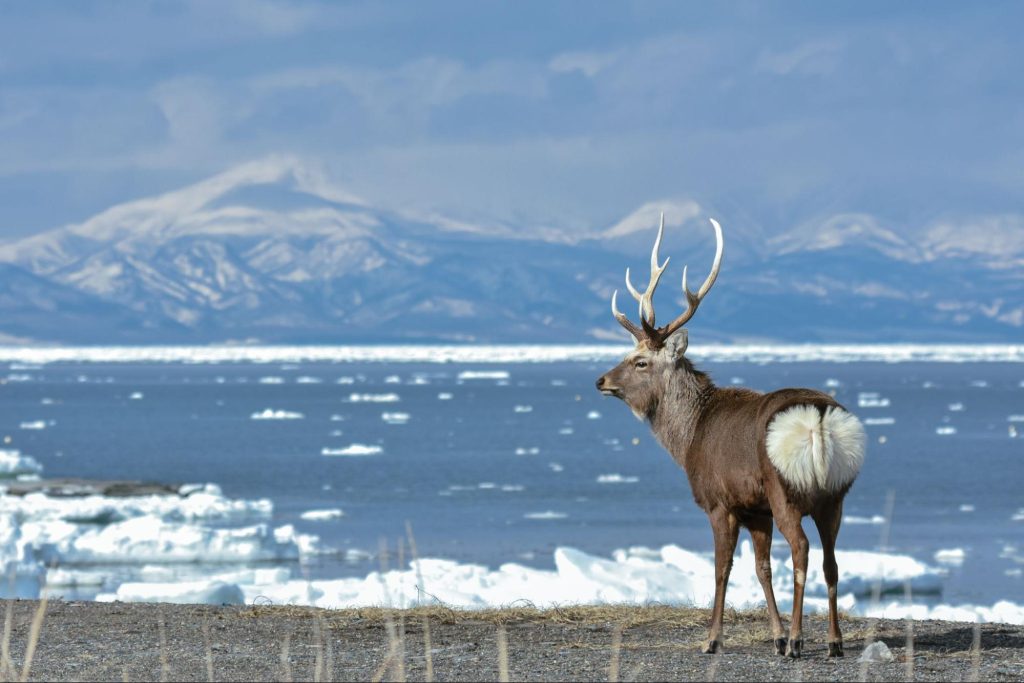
[756,353]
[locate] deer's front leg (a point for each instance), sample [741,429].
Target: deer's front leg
[726,528]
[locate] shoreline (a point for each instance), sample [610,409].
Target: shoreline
[146,641]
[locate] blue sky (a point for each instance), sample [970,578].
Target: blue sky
[568,114]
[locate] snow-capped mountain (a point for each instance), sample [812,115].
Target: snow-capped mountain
[274,251]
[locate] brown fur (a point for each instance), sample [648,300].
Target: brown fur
[717,435]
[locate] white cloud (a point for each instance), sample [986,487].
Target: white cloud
[587,63]
[815,58]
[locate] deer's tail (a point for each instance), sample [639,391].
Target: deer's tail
[816,451]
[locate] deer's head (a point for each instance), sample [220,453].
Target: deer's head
[644,374]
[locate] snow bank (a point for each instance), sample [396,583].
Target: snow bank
[671,575]
[757,353]
[187,592]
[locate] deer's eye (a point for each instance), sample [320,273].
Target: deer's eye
[641,364]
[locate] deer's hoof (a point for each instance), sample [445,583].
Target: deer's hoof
[795,647]
[780,646]
[835,649]
[711,648]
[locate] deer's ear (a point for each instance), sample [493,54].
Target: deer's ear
[676,343]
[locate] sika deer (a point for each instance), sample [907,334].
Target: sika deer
[750,456]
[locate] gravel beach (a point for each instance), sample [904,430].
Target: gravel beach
[121,641]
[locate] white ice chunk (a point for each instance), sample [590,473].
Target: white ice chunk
[945,430]
[547,514]
[876,421]
[395,418]
[876,652]
[33,424]
[322,515]
[444,396]
[953,557]
[306,379]
[271,380]
[136,396]
[854,519]
[593,415]
[14,464]
[373,398]
[870,399]
[523,409]
[184,592]
[956,407]
[355,450]
[483,374]
[271,414]
[616,479]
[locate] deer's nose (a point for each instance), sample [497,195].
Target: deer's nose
[600,383]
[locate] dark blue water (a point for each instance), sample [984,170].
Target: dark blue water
[444,470]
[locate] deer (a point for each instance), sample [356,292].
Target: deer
[753,459]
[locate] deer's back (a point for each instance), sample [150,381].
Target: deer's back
[727,462]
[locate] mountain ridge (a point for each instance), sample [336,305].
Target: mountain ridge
[273,251]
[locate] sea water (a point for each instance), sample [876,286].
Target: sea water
[511,474]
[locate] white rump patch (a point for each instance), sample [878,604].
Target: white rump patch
[814,453]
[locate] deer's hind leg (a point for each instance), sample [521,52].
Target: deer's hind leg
[788,517]
[761,534]
[726,528]
[828,518]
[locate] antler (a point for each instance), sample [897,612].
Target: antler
[657,335]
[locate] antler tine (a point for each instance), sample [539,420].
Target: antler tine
[623,320]
[647,298]
[693,300]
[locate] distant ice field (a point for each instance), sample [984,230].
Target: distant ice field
[518,474]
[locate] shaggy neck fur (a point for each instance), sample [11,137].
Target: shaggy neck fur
[674,419]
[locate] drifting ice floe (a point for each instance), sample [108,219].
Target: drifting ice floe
[33,425]
[395,418]
[322,515]
[356,449]
[593,415]
[950,556]
[271,414]
[15,465]
[444,396]
[523,409]
[878,421]
[616,479]
[533,450]
[271,380]
[39,531]
[136,396]
[870,399]
[482,374]
[854,519]
[373,398]
[305,379]
[547,514]
[945,430]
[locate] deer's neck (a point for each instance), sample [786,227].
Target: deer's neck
[674,420]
